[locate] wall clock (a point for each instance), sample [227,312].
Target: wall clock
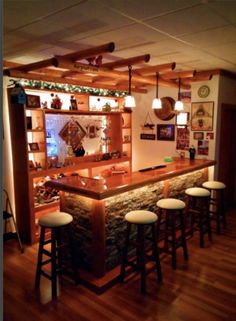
[203,91]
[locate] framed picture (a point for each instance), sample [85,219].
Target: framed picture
[182,119]
[198,135]
[202,116]
[33,101]
[33,147]
[166,132]
[209,135]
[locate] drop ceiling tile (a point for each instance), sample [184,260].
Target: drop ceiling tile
[222,50]
[212,37]
[187,21]
[140,9]
[226,9]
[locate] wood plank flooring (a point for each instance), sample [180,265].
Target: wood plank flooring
[202,289]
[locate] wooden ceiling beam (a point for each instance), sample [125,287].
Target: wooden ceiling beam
[154,69]
[30,67]
[100,71]
[179,74]
[187,81]
[86,53]
[76,82]
[126,62]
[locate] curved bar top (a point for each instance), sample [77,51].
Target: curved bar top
[105,187]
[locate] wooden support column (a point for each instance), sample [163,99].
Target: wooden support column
[98,238]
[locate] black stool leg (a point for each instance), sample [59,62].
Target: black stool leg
[167,224]
[208,220]
[156,253]
[173,242]
[201,229]
[40,257]
[54,263]
[222,209]
[183,236]
[141,241]
[125,253]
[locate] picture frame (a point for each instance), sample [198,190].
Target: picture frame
[198,135]
[34,147]
[166,132]
[33,101]
[182,119]
[202,116]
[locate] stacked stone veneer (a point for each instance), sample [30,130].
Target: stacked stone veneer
[143,198]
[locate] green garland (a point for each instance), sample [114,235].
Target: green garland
[37,84]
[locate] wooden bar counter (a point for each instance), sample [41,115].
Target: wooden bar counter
[99,205]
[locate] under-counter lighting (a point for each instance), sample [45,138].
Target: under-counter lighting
[129,99]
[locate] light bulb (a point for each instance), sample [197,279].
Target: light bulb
[156,103]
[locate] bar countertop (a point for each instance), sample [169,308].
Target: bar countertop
[105,187]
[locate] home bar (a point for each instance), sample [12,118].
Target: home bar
[119,168]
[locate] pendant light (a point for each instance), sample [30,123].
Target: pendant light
[178,104]
[156,103]
[129,99]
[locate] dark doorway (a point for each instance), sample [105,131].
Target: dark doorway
[227,152]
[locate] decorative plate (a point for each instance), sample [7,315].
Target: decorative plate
[203,91]
[167,110]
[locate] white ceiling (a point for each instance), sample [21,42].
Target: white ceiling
[196,34]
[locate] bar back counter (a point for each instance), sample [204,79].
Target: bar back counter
[98,207]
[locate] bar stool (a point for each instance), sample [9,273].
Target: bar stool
[174,221]
[216,189]
[198,200]
[55,222]
[141,219]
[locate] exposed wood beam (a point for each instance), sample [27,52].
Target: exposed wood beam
[86,53]
[35,76]
[32,66]
[157,68]
[88,69]
[187,81]
[126,62]
[179,74]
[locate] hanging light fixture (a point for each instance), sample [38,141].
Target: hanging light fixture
[129,99]
[156,103]
[178,104]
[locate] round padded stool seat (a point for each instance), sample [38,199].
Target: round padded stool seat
[197,192]
[214,185]
[141,217]
[55,219]
[171,204]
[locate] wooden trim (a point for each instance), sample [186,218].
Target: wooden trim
[98,239]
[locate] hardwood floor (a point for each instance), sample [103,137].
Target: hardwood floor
[204,288]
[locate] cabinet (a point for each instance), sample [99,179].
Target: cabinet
[39,156]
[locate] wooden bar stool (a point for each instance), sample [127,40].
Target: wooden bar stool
[216,189]
[141,219]
[198,200]
[55,222]
[174,221]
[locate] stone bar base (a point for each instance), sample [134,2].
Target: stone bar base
[98,226]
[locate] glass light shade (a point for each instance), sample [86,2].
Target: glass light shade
[179,105]
[130,101]
[156,103]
